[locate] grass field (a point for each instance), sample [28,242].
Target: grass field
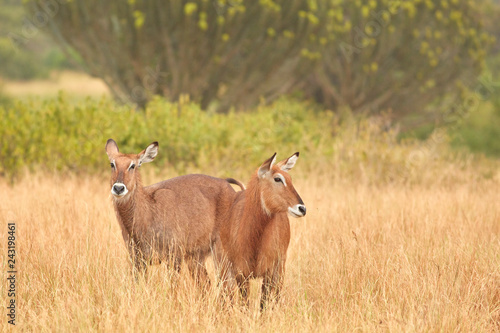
[75,84]
[367,258]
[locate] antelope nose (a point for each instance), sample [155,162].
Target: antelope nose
[118,188]
[302,209]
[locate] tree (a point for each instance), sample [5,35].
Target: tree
[412,56]
[220,52]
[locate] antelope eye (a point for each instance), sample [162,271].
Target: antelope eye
[132,167]
[112,165]
[278,180]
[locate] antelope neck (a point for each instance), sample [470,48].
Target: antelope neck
[254,203]
[253,223]
[126,209]
[255,217]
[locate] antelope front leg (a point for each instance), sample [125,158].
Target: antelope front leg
[243,287]
[272,285]
[223,272]
[139,267]
[139,264]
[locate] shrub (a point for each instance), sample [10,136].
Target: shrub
[60,136]
[25,52]
[57,135]
[479,132]
[18,64]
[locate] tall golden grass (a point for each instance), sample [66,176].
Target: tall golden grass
[420,257]
[75,84]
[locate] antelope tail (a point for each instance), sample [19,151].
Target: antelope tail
[236,182]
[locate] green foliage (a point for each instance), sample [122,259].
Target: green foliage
[17,64]
[475,122]
[480,131]
[25,52]
[410,57]
[5,100]
[60,136]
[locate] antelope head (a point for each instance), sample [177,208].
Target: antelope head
[277,192]
[124,174]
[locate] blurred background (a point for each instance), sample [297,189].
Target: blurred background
[236,79]
[393,105]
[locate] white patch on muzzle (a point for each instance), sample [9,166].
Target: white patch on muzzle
[119,195]
[295,212]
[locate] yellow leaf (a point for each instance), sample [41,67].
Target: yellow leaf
[190,8]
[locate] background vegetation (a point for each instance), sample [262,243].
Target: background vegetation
[416,258]
[25,51]
[406,56]
[394,106]
[410,57]
[60,135]
[416,63]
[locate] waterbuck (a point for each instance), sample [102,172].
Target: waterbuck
[171,220]
[255,235]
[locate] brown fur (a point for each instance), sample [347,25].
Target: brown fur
[254,239]
[236,182]
[171,220]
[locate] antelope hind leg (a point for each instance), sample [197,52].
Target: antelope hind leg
[198,270]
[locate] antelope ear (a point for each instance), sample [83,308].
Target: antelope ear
[266,166]
[111,148]
[148,154]
[289,163]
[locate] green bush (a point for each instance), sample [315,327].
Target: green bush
[25,51]
[19,64]
[479,131]
[60,136]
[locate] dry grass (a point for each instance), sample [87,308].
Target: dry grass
[76,84]
[419,258]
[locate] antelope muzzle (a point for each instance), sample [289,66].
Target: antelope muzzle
[119,190]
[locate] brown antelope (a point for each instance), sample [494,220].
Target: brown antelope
[255,235]
[171,220]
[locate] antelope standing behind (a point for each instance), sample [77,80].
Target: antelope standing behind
[171,220]
[254,237]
